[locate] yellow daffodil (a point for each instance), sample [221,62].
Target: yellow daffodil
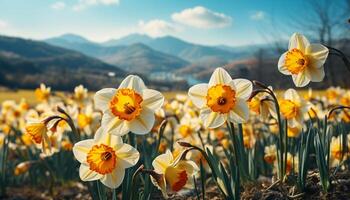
[270,154]
[222,99]
[249,137]
[131,107]
[38,131]
[188,127]
[2,139]
[262,105]
[303,61]
[105,158]
[22,168]
[43,93]
[80,93]
[88,119]
[293,107]
[174,174]
[337,153]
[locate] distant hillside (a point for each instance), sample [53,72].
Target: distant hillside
[168,45]
[37,62]
[135,57]
[140,58]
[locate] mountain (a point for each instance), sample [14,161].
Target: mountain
[141,58]
[128,40]
[167,44]
[130,57]
[36,61]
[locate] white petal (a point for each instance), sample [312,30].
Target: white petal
[114,125]
[152,99]
[80,149]
[103,97]
[114,179]
[298,41]
[243,87]
[211,119]
[88,175]
[127,156]
[317,54]
[219,76]
[240,113]
[300,80]
[281,67]
[143,123]
[198,93]
[107,138]
[133,82]
[161,162]
[292,95]
[315,74]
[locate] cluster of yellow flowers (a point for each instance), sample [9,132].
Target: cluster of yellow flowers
[102,123]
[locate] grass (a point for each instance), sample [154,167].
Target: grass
[29,95]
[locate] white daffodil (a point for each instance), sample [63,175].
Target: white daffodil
[293,107]
[174,174]
[222,99]
[105,158]
[131,107]
[304,61]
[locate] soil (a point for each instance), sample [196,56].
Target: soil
[262,189]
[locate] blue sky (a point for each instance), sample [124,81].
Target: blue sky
[230,22]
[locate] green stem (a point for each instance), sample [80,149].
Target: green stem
[3,166]
[231,128]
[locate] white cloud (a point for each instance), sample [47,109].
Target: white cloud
[157,27]
[258,15]
[201,17]
[59,5]
[3,24]
[83,4]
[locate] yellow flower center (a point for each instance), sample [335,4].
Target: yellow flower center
[102,159]
[126,104]
[289,109]
[296,61]
[221,98]
[185,130]
[176,177]
[84,120]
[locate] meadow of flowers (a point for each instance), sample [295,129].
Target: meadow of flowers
[227,139]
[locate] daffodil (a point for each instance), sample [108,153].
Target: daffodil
[262,105]
[293,107]
[131,107]
[337,153]
[223,99]
[88,119]
[38,132]
[105,158]
[249,137]
[22,168]
[42,93]
[303,61]
[173,174]
[270,154]
[80,93]
[188,127]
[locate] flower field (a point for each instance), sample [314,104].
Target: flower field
[225,139]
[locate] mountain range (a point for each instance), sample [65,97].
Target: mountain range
[36,61]
[154,54]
